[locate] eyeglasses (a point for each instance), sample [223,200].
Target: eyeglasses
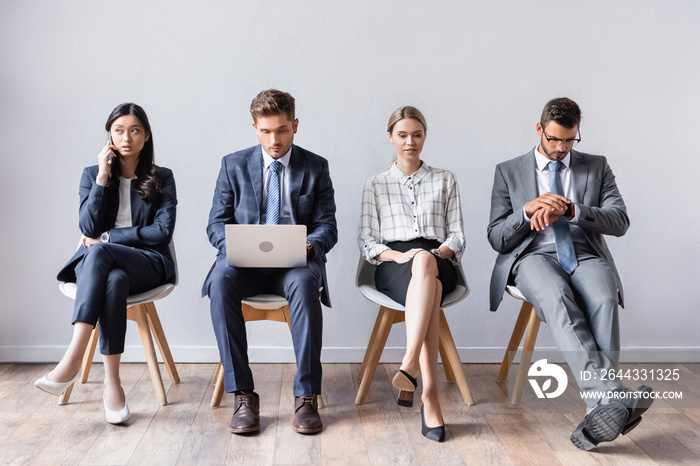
[567,142]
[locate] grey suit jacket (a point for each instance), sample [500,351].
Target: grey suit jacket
[599,203]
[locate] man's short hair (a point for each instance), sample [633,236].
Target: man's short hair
[562,111]
[272,102]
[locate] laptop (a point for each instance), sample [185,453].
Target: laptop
[270,246]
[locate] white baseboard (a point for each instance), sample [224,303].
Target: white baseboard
[210,354]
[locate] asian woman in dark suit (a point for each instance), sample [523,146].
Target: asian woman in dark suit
[127,217]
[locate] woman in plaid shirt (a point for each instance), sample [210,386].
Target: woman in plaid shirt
[411,227]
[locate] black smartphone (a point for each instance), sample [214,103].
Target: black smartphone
[111,143]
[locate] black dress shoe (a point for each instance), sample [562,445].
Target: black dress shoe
[406,384]
[436,434]
[246,415]
[603,424]
[306,418]
[636,402]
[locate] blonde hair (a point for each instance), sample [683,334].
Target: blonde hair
[402,113]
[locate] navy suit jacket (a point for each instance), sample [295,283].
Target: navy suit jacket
[153,222]
[600,208]
[238,200]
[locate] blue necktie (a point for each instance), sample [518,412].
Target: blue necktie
[272,215]
[562,234]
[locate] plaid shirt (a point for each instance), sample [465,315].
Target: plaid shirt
[399,207]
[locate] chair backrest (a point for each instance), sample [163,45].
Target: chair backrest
[171,246]
[365,273]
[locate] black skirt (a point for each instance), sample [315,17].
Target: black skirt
[392,278]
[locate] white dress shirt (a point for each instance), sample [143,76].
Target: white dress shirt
[285,197]
[400,207]
[543,176]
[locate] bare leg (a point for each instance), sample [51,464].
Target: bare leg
[420,299]
[428,364]
[114,395]
[69,365]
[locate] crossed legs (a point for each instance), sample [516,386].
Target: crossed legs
[106,276]
[422,331]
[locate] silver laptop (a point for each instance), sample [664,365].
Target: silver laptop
[268,246]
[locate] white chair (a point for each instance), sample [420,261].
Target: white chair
[526,319]
[140,308]
[259,307]
[390,313]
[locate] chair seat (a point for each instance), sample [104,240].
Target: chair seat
[371,293]
[265,301]
[70,289]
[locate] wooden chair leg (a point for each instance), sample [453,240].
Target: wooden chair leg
[218,388]
[375,351]
[65,396]
[453,360]
[89,354]
[448,370]
[139,314]
[85,367]
[219,369]
[161,341]
[533,327]
[371,342]
[514,342]
[287,317]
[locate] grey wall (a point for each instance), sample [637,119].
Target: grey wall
[480,71]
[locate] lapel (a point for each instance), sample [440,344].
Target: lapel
[528,178]
[579,175]
[255,172]
[137,206]
[297,167]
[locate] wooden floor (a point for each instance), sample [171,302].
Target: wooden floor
[34,429]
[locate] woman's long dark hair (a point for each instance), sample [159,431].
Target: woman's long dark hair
[147,173]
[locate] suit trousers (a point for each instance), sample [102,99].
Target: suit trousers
[300,286]
[107,274]
[580,310]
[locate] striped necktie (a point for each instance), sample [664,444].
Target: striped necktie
[272,215]
[562,235]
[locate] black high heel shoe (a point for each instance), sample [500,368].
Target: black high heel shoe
[406,385]
[436,434]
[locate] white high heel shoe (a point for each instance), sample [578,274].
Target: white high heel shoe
[55,388]
[116,417]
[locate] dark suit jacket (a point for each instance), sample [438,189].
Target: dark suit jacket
[600,208]
[238,200]
[153,222]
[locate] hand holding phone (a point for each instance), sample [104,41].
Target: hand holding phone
[104,161]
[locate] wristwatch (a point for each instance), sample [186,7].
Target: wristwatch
[104,237]
[436,251]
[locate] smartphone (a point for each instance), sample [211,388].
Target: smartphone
[111,144]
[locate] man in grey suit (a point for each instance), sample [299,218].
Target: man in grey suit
[275,182]
[549,211]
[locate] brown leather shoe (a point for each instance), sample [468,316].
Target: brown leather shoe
[246,415]
[306,418]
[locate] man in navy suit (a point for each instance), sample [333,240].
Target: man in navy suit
[273,182]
